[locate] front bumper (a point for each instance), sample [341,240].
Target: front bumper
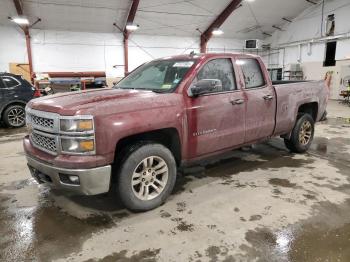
[92,181]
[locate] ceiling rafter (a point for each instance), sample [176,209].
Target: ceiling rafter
[130,20]
[19,8]
[207,34]
[131,16]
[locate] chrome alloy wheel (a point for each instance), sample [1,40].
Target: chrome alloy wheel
[149,178]
[16,117]
[305,133]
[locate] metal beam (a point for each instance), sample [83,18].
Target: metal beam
[132,14]
[286,19]
[311,2]
[18,6]
[20,12]
[126,33]
[277,27]
[207,34]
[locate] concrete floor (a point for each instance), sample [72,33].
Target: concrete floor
[263,204]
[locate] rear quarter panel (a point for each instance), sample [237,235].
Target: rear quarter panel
[291,96]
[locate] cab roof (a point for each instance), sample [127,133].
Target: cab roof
[205,56]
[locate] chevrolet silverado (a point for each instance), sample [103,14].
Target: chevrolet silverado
[166,114]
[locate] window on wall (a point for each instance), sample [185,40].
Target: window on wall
[331,48]
[253,76]
[221,69]
[330,25]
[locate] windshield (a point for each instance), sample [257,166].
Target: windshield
[159,75]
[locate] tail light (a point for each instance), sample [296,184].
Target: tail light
[37,93]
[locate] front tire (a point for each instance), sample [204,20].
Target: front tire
[14,116]
[147,177]
[302,135]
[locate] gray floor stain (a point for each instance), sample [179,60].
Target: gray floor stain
[144,255]
[281,182]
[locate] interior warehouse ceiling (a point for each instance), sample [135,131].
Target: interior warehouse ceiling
[253,19]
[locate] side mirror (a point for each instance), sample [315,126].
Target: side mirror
[205,86]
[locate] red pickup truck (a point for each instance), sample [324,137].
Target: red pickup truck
[167,113]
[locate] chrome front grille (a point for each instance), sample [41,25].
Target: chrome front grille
[44,128]
[43,121]
[45,133]
[45,142]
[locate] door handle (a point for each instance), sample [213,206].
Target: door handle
[268,97]
[237,102]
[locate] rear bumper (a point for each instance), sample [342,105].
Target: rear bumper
[92,181]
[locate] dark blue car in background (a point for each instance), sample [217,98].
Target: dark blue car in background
[15,92]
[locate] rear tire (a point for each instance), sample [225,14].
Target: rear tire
[14,116]
[302,135]
[147,177]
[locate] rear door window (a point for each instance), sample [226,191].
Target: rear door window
[1,83]
[10,81]
[221,69]
[253,75]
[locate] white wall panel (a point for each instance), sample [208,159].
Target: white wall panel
[83,51]
[343,50]
[12,47]
[307,26]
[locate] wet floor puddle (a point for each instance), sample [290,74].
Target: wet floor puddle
[225,169]
[149,255]
[311,240]
[30,233]
[337,122]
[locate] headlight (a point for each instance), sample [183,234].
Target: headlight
[78,145]
[76,125]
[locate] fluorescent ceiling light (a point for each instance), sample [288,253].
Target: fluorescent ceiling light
[20,20]
[217,32]
[132,27]
[240,62]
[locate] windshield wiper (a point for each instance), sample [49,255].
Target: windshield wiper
[158,91]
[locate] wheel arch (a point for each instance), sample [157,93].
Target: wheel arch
[168,137]
[309,108]
[11,103]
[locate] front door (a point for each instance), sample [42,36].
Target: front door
[216,120]
[261,101]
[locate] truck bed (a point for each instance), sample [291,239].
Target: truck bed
[291,95]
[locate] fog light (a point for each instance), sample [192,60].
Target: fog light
[74,179]
[69,179]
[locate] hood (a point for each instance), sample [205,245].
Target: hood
[102,101]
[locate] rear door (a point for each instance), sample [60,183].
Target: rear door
[16,88]
[11,88]
[2,96]
[261,100]
[216,120]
